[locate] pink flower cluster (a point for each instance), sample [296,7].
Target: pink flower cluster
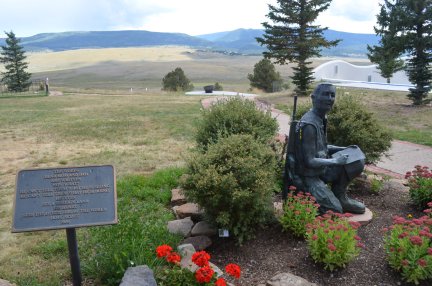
[419,171]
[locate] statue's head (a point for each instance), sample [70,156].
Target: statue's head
[323,97]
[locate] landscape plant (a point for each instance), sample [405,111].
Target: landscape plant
[173,274]
[420,185]
[234,116]
[333,240]
[218,86]
[233,182]
[299,210]
[294,37]
[176,80]
[408,246]
[16,77]
[265,76]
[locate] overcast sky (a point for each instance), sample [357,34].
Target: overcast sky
[193,17]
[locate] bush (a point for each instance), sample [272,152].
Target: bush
[142,213]
[420,185]
[408,248]
[333,240]
[176,80]
[349,123]
[218,86]
[233,181]
[235,116]
[265,77]
[298,211]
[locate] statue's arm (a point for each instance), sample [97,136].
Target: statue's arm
[333,149]
[309,150]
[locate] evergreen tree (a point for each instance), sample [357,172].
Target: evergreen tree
[293,38]
[13,57]
[176,80]
[265,76]
[406,27]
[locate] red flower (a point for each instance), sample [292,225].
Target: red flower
[405,262]
[292,188]
[173,257]
[422,262]
[429,250]
[356,237]
[331,247]
[220,282]
[163,250]
[360,245]
[204,274]
[416,240]
[314,237]
[201,258]
[233,270]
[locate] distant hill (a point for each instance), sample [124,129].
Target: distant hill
[108,39]
[237,41]
[243,41]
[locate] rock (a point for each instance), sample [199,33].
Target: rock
[138,276]
[363,219]
[395,185]
[288,279]
[177,197]
[199,242]
[181,226]
[6,283]
[203,228]
[186,251]
[278,209]
[189,209]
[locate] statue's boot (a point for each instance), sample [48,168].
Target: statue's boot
[349,205]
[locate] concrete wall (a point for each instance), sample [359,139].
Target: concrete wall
[341,70]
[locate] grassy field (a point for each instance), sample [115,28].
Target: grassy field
[99,120]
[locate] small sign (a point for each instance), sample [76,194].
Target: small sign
[61,198]
[223,233]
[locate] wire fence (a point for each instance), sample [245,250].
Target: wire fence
[37,86]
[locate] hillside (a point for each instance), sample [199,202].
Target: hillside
[238,41]
[243,41]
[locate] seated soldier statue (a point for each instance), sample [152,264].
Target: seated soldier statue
[320,169]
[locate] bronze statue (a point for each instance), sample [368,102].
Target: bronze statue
[318,168]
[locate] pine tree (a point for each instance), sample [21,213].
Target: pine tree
[406,27]
[293,38]
[13,57]
[265,76]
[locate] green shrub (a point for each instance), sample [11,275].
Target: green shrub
[142,213]
[176,80]
[218,86]
[234,116]
[420,185]
[265,76]
[298,211]
[233,181]
[333,240]
[350,123]
[408,249]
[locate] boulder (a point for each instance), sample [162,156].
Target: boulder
[6,283]
[199,242]
[138,276]
[189,209]
[181,226]
[177,197]
[203,228]
[288,279]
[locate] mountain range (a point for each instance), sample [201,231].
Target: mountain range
[240,41]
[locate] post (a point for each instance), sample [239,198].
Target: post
[46,87]
[73,256]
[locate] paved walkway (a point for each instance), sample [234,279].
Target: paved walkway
[402,156]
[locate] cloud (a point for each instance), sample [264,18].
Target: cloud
[193,17]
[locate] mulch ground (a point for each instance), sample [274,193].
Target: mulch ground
[274,251]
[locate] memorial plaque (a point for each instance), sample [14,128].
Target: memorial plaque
[64,198]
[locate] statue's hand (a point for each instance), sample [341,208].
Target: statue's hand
[341,160]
